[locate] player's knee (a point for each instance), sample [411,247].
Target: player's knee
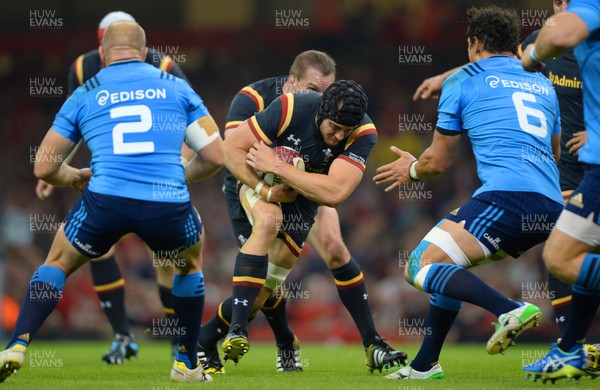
[557,263]
[413,267]
[266,223]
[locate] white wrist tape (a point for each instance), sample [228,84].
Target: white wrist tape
[534,55]
[412,171]
[259,186]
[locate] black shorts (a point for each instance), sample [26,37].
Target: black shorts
[297,217]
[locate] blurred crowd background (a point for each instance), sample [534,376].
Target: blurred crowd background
[389,46]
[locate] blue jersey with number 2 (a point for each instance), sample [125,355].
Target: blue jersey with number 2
[510,117]
[133,117]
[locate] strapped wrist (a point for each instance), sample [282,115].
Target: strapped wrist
[261,188]
[412,171]
[534,55]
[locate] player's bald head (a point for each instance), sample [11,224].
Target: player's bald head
[124,35]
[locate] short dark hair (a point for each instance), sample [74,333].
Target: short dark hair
[498,29]
[312,58]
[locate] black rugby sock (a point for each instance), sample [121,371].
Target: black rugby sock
[110,287]
[351,288]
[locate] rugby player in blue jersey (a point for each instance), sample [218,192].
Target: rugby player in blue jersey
[563,73]
[511,118]
[138,186]
[106,274]
[311,70]
[571,252]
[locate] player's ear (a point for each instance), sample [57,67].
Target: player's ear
[101,52]
[144,53]
[478,45]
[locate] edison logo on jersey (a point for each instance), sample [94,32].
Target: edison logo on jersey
[495,81]
[102,97]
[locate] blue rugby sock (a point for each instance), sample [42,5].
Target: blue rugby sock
[188,303]
[43,294]
[441,315]
[455,282]
[585,302]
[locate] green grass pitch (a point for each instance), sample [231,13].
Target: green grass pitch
[77,365]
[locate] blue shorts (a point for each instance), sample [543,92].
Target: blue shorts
[97,221]
[585,199]
[508,221]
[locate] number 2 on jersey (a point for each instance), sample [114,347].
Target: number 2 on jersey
[524,112]
[142,126]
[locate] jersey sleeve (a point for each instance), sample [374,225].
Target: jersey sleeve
[246,103]
[359,144]
[449,115]
[194,106]
[557,122]
[588,10]
[66,122]
[270,123]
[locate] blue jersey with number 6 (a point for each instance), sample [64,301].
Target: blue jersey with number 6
[510,117]
[133,117]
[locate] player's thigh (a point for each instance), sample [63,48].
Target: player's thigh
[91,227]
[63,254]
[107,255]
[563,255]
[264,217]
[450,242]
[326,237]
[577,230]
[507,222]
[174,232]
